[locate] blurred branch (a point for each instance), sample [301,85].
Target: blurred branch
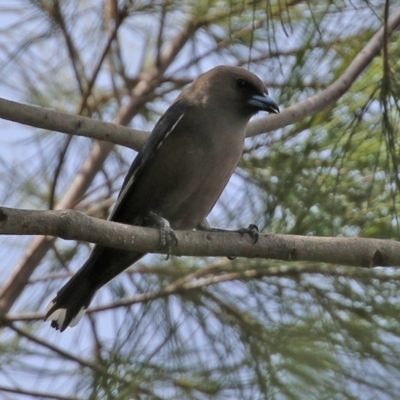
[332,93]
[223,271]
[64,354]
[56,15]
[72,225]
[34,393]
[120,16]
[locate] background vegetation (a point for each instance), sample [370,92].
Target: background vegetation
[302,330]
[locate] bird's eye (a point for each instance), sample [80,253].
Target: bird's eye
[241,83]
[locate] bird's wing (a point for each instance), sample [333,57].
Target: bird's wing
[166,124]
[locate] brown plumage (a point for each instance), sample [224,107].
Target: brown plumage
[177,177]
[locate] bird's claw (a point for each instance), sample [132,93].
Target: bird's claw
[252,230]
[167,235]
[168,238]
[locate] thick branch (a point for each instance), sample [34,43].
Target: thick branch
[72,225]
[44,118]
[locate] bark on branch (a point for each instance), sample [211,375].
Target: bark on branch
[72,225]
[44,118]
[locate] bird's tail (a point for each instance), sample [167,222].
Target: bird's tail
[73,299]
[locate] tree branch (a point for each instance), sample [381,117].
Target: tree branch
[72,124]
[218,273]
[64,354]
[35,393]
[333,92]
[72,225]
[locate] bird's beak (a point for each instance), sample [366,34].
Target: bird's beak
[263,103]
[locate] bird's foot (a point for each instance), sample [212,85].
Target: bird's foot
[252,230]
[167,234]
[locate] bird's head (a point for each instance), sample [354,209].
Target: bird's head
[233,88]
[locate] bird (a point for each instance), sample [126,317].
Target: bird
[176,178]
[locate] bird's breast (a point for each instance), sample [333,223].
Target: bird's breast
[197,177]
